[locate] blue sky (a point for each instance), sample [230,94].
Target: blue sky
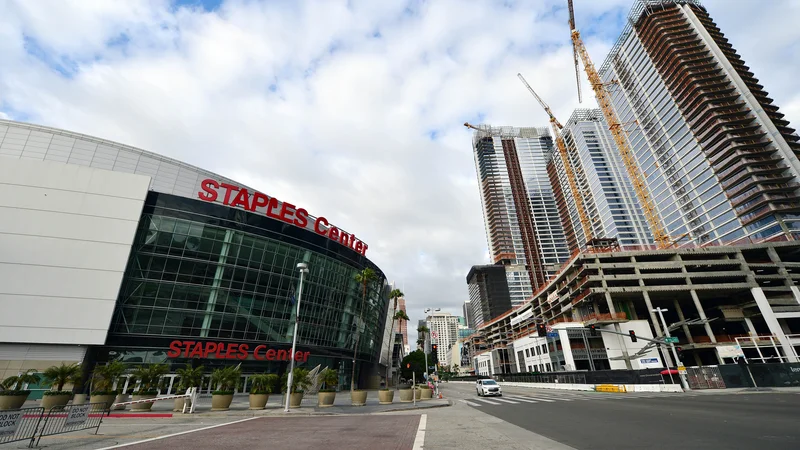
[353,108]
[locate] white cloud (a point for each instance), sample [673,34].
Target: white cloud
[331,104]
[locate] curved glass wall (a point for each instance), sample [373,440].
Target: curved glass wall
[205,272]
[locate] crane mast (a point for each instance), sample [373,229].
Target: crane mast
[604,101]
[562,149]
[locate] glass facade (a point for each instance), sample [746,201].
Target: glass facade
[206,272]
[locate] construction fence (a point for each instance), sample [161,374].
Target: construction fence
[736,376]
[31,424]
[644,376]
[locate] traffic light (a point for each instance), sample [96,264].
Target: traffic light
[592,330]
[541,329]
[633,335]
[434,347]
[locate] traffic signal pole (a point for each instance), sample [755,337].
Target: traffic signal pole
[684,381]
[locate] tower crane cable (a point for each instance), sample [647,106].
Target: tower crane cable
[604,101]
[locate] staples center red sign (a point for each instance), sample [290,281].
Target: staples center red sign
[222,350]
[239,197]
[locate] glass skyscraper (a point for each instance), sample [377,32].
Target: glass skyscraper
[718,158]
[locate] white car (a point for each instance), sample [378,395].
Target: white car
[488,387]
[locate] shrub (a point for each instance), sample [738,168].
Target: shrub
[263,383]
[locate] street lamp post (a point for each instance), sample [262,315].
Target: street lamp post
[682,376]
[426,344]
[303,267]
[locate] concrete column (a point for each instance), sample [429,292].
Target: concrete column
[796,293]
[772,323]
[702,314]
[682,318]
[623,347]
[751,329]
[787,279]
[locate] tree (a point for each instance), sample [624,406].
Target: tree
[396,315]
[14,383]
[149,377]
[417,361]
[104,376]
[263,383]
[364,278]
[226,379]
[329,379]
[190,377]
[300,380]
[58,376]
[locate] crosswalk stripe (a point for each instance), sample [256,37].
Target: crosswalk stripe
[470,403]
[524,399]
[507,401]
[542,399]
[487,401]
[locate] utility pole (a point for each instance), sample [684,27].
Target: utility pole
[303,268]
[678,362]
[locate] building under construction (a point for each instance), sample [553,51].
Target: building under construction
[716,298]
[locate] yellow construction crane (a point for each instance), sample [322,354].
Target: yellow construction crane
[562,149]
[604,100]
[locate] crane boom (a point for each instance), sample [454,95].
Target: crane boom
[604,101]
[562,149]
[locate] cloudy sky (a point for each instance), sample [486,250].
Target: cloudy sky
[350,108]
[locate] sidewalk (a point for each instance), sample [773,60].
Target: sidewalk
[275,406]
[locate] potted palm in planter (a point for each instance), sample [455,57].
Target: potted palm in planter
[327,395]
[122,395]
[425,392]
[149,378]
[58,376]
[406,394]
[103,383]
[225,379]
[13,396]
[188,378]
[260,389]
[300,382]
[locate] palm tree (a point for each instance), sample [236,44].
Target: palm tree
[226,379]
[58,376]
[398,316]
[190,377]
[104,377]
[149,377]
[14,383]
[263,383]
[300,380]
[329,378]
[422,336]
[364,278]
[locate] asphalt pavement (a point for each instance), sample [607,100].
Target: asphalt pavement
[598,420]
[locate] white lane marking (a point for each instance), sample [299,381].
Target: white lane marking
[486,401]
[470,403]
[507,401]
[178,434]
[419,440]
[524,399]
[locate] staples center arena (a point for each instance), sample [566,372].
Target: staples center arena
[109,252]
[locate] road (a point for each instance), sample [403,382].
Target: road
[597,420]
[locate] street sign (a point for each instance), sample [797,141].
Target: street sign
[671,339]
[9,422]
[549,328]
[681,369]
[434,335]
[553,334]
[77,415]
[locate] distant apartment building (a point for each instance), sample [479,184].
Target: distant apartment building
[718,158]
[523,229]
[444,333]
[488,293]
[403,325]
[609,200]
[466,309]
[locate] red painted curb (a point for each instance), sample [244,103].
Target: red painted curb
[140,416]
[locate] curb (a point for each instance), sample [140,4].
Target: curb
[449,403]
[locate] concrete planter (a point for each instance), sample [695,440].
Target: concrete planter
[49,401]
[107,399]
[143,406]
[358,398]
[406,395]
[13,401]
[178,406]
[326,399]
[427,393]
[119,399]
[221,402]
[295,400]
[385,397]
[258,401]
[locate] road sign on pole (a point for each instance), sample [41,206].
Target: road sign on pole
[671,339]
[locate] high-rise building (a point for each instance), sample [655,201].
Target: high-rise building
[444,333]
[466,307]
[719,160]
[488,293]
[403,325]
[523,228]
[608,196]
